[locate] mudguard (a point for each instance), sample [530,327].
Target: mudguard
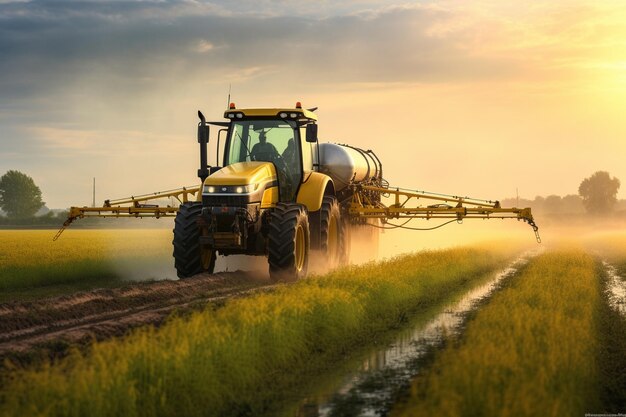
[313,189]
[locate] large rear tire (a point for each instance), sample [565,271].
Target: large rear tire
[190,257]
[288,242]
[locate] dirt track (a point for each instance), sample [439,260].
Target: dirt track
[81,317]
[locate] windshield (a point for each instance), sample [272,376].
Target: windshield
[273,141]
[259,140]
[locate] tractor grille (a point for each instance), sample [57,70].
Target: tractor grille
[229,201]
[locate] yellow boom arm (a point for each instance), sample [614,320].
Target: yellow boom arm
[366,203]
[132,207]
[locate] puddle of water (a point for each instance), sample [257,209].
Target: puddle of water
[371,389]
[616,288]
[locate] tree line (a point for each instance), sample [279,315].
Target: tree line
[597,195]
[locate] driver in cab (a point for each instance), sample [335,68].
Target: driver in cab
[263,151]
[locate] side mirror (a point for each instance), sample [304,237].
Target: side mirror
[311,133]
[203,140]
[203,134]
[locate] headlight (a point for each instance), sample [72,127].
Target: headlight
[230,189]
[250,188]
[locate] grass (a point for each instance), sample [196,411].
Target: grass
[80,259]
[240,359]
[532,350]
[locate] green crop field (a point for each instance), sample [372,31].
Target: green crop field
[30,262]
[238,359]
[538,348]
[547,342]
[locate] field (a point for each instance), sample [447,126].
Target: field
[540,328]
[546,339]
[31,261]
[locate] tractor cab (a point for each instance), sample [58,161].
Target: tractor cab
[265,183]
[275,136]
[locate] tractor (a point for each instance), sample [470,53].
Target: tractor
[276,191]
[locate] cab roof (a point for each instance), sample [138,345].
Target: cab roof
[294,113]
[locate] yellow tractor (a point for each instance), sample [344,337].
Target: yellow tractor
[280,193]
[268,198]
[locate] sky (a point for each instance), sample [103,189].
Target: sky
[478,98]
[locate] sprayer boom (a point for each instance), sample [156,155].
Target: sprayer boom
[134,206]
[367,203]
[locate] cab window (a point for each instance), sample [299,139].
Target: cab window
[275,141]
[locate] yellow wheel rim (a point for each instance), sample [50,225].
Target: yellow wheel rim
[333,239]
[300,248]
[206,256]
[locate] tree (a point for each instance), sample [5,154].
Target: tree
[599,192]
[538,203]
[572,203]
[20,198]
[553,204]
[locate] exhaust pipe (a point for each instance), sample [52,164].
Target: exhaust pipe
[203,140]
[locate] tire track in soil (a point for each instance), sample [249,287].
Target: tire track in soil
[612,330]
[103,313]
[615,288]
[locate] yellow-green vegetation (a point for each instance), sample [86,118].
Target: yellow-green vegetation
[532,350]
[30,259]
[239,359]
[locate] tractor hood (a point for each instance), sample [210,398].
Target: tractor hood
[243,173]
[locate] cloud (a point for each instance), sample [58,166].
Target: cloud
[83,80]
[60,53]
[204,46]
[55,46]
[55,141]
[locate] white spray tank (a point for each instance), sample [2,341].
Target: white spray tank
[347,164]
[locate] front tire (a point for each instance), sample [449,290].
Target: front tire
[190,257]
[288,242]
